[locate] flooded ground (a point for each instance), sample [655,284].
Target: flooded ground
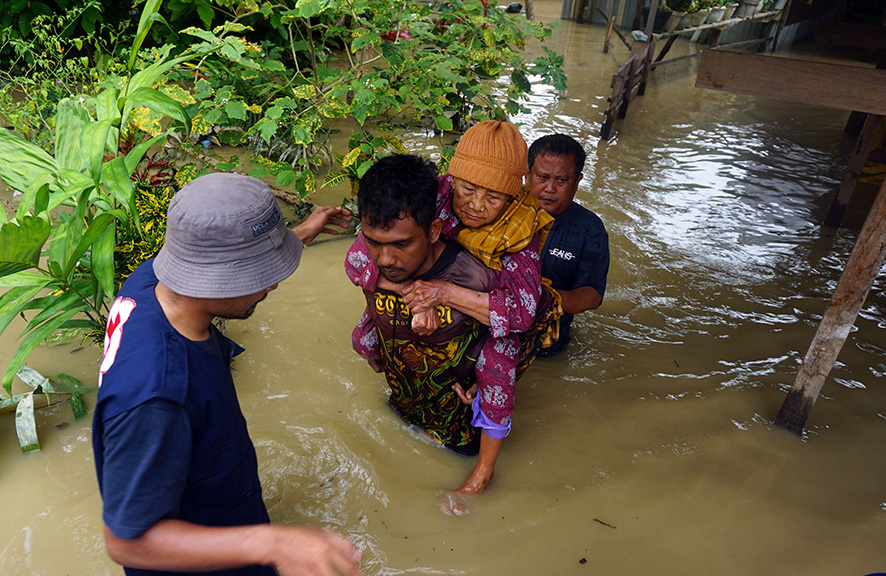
[647,449]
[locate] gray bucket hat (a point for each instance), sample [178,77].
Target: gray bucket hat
[225,237]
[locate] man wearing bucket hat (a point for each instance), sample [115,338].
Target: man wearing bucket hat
[483,207]
[176,468]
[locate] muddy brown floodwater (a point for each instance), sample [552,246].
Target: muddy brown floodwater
[647,449]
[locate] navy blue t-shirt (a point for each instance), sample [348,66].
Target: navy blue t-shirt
[169,438]
[147,454]
[575,254]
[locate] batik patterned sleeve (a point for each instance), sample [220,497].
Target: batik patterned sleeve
[513,306]
[361,270]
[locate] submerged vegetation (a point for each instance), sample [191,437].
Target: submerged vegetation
[110,108]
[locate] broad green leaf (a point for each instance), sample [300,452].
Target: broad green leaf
[69,184]
[67,383]
[138,152]
[232,137]
[149,76]
[266,128]
[160,103]
[366,165]
[7,401]
[396,144]
[148,16]
[365,104]
[15,300]
[64,246]
[521,81]
[22,162]
[285,178]
[205,12]
[443,123]
[23,278]
[93,141]
[235,109]
[103,259]
[116,179]
[21,242]
[351,157]
[106,104]
[29,198]
[364,40]
[52,305]
[33,339]
[70,119]
[334,178]
[34,379]
[78,406]
[311,8]
[25,427]
[42,201]
[96,228]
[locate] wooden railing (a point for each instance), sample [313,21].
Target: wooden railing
[627,82]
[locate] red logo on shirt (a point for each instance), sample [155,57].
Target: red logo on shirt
[117,317]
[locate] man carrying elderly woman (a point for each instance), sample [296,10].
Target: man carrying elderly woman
[484,208]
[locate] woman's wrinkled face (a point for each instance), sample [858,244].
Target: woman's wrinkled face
[476,206]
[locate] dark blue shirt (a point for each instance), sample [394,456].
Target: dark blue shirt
[575,254]
[169,438]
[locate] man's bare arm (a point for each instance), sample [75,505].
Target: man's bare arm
[175,545]
[581,299]
[319,221]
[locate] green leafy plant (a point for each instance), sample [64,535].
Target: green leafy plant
[304,64]
[57,253]
[364,150]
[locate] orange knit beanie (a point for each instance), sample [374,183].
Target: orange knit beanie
[492,155]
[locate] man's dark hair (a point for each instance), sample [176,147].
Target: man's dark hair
[399,186]
[558,145]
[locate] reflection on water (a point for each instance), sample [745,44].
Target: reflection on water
[647,448]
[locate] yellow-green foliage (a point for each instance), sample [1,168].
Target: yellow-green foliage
[134,247]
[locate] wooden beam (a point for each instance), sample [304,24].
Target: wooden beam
[861,269]
[650,21]
[814,83]
[723,47]
[615,29]
[860,153]
[851,35]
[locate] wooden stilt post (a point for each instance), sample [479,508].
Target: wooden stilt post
[647,66]
[608,35]
[650,21]
[864,263]
[860,154]
[611,22]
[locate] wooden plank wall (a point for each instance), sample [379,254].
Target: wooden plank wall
[814,83]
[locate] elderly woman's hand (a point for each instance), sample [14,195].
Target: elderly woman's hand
[423,296]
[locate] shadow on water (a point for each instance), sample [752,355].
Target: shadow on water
[648,448]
